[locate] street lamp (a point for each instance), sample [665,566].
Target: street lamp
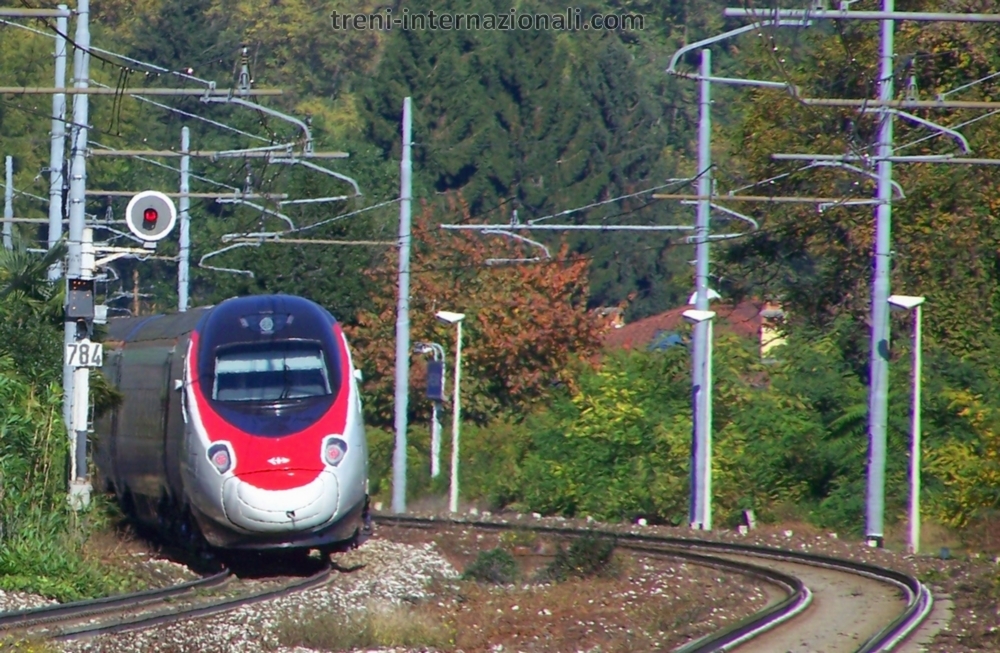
[703,421]
[435,392]
[908,303]
[454,318]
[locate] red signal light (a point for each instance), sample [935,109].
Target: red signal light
[149,218]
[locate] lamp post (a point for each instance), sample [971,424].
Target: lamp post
[435,392]
[703,415]
[909,303]
[455,318]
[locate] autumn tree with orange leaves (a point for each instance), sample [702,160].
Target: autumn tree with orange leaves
[526,329]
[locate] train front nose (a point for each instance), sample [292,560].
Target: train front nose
[251,505]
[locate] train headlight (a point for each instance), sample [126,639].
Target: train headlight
[333,451]
[218,455]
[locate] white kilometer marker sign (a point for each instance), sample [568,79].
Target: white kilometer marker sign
[84,353]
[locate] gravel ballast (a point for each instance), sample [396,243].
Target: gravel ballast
[405,573]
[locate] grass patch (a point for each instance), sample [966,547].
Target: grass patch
[375,627]
[54,555]
[45,543]
[516,538]
[495,566]
[586,557]
[13,645]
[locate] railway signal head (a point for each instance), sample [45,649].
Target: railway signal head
[151,215]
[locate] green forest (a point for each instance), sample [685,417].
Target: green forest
[522,125]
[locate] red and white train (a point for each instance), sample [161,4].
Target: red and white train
[241,426]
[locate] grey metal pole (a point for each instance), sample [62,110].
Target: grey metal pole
[879,382]
[8,203]
[184,258]
[915,427]
[456,421]
[403,321]
[74,267]
[57,146]
[436,439]
[707,404]
[700,422]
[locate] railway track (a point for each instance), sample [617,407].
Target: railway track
[769,565]
[136,611]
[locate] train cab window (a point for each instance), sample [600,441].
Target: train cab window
[271,372]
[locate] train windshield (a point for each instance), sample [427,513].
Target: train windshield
[271,372]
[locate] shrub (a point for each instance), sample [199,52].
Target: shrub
[585,558]
[496,566]
[43,540]
[375,627]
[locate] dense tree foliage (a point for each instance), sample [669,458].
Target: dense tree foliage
[540,122]
[525,330]
[943,231]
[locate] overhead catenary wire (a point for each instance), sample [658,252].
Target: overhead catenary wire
[260,173]
[144,99]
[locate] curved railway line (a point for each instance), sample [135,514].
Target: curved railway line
[797,576]
[770,566]
[139,610]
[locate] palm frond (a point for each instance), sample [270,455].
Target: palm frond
[25,272]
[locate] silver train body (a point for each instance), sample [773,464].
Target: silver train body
[241,426]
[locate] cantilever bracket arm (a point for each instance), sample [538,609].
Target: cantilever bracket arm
[737,215]
[674,60]
[502,232]
[201,263]
[727,211]
[263,235]
[277,114]
[313,166]
[230,200]
[847,166]
[693,240]
[963,143]
[114,257]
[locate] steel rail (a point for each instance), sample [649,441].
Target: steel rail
[172,615]
[919,599]
[799,598]
[90,607]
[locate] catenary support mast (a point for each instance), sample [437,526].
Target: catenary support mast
[57,146]
[403,320]
[184,253]
[702,421]
[878,396]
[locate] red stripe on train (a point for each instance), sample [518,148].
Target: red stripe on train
[252,452]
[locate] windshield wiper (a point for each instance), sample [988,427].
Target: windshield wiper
[287,389]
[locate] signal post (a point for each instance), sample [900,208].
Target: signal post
[150,216]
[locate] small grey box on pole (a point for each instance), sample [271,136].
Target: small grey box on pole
[403,320]
[184,257]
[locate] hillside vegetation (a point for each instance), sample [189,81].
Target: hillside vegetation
[538,123]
